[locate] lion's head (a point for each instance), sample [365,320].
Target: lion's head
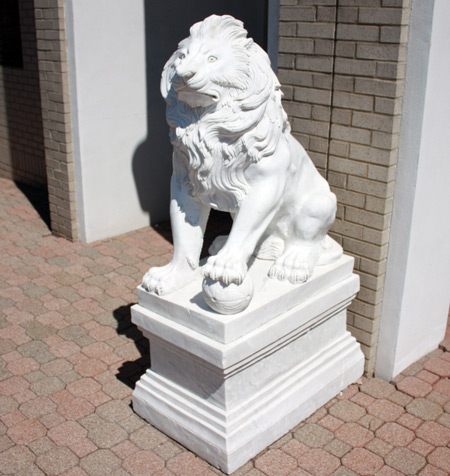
[223,107]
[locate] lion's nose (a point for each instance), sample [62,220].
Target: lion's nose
[185,74]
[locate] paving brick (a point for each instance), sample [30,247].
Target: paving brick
[386,410]
[147,437]
[379,447]
[74,472]
[405,460]
[7,405]
[421,447]
[187,463]
[434,433]
[114,411]
[146,462]
[13,385]
[440,458]
[56,461]
[428,377]
[330,423]
[354,435]
[424,409]
[167,450]
[67,433]
[400,398]
[377,388]
[26,431]
[314,435]
[16,460]
[41,445]
[47,386]
[100,463]
[83,387]
[409,421]
[337,448]
[75,408]
[363,462]
[414,387]
[347,411]
[388,471]
[443,386]
[431,470]
[395,434]
[107,435]
[318,462]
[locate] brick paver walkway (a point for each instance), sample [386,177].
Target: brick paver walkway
[70,358]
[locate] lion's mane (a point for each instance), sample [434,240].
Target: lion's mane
[217,143]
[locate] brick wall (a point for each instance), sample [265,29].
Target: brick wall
[55,100]
[342,64]
[22,155]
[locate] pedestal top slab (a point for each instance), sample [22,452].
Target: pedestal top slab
[271,298]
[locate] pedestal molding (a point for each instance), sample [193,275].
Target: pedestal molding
[292,397]
[227,401]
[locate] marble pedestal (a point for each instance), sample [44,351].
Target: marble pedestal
[228,386]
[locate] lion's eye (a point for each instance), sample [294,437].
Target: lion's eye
[182,56]
[211,59]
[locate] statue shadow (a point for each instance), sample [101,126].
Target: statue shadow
[130,372]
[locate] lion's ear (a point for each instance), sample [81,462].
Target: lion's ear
[167,75]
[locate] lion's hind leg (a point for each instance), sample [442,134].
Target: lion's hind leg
[308,240]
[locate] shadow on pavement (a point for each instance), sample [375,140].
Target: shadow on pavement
[130,372]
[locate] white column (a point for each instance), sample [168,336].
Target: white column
[107,69]
[417,287]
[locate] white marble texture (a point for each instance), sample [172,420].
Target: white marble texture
[234,152]
[275,363]
[272,297]
[226,386]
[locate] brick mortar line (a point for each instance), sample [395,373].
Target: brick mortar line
[333,82]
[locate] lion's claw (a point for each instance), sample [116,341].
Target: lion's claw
[226,268]
[166,279]
[295,265]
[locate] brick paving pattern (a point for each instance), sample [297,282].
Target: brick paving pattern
[69,359]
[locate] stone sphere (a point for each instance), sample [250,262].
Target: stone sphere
[227,299]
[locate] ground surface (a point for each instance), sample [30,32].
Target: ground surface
[69,359]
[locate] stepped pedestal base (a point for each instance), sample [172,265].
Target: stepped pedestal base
[228,386]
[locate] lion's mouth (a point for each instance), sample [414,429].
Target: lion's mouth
[197,98]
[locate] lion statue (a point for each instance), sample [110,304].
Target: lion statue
[233,151]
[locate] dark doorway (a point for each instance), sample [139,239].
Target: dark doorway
[22,153]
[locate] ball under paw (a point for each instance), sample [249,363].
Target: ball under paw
[227,299]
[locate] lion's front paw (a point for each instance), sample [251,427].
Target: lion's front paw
[225,267]
[166,279]
[295,266]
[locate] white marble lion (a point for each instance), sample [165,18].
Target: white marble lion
[233,151]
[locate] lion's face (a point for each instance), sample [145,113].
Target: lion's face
[211,64]
[223,108]
[206,71]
